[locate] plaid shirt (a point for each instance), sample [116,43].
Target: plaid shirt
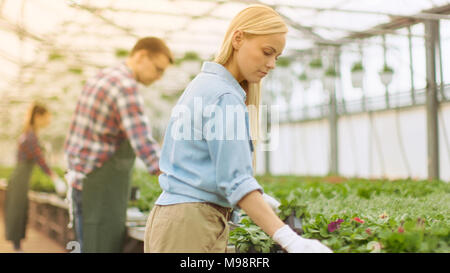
[109,111]
[29,149]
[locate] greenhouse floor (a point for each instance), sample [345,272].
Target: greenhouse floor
[35,242]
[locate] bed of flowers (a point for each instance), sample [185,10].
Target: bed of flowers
[347,215]
[358,215]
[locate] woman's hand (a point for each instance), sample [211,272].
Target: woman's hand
[262,214]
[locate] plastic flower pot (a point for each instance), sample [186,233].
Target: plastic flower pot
[330,78]
[303,78]
[386,77]
[357,79]
[357,75]
[316,68]
[328,82]
[306,85]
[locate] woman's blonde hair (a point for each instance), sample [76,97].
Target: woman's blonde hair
[254,20]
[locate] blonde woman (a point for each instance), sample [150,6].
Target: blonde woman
[207,165]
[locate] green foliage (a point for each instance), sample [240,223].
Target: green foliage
[5,172]
[303,77]
[54,56]
[357,67]
[331,72]
[283,62]
[121,53]
[172,97]
[41,182]
[387,69]
[316,63]
[149,189]
[188,56]
[76,70]
[397,216]
[250,238]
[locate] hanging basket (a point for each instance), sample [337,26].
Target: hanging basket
[386,77]
[306,85]
[329,82]
[316,69]
[357,79]
[305,82]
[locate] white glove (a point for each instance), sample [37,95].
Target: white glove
[273,203]
[60,186]
[293,243]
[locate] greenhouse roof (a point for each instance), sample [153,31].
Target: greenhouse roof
[43,41]
[99,27]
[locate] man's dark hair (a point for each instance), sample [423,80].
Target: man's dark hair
[153,46]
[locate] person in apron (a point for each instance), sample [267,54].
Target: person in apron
[108,129]
[207,159]
[29,153]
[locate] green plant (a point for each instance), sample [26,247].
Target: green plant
[250,238]
[148,187]
[387,69]
[121,53]
[361,215]
[53,56]
[188,56]
[331,72]
[303,77]
[5,172]
[76,70]
[357,67]
[316,63]
[283,62]
[41,182]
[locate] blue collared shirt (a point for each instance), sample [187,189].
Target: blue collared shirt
[207,153]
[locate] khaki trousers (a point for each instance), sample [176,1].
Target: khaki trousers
[186,228]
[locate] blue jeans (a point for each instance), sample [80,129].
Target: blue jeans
[77,215]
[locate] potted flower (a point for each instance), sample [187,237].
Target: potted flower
[357,75]
[330,78]
[386,74]
[303,78]
[316,68]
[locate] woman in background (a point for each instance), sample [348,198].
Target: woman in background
[29,153]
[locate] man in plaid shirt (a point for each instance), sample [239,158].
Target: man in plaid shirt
[109,126]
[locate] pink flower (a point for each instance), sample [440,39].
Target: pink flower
[369,231]
[420,222]
[401,230]
[358,220]
[334,225]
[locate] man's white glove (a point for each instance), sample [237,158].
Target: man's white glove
[60,186]
[293,243]
[273,203]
